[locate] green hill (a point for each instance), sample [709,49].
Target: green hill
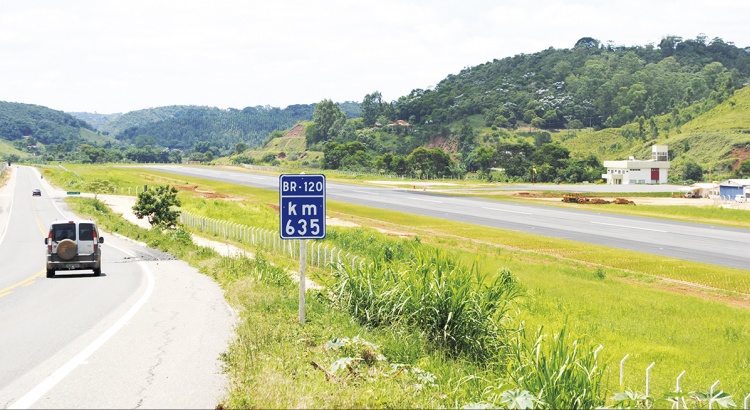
[718,139]
[43,124]
[732,115]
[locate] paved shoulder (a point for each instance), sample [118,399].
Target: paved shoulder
[167,356]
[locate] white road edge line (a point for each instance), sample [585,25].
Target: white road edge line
[507,210]
[630,227]
[47,384]
[424,200]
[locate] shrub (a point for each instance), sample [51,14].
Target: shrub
[460,308]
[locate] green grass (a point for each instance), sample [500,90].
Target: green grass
[6,148]
[732,114]
[612,298]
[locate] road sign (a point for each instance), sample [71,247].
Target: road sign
[302,206]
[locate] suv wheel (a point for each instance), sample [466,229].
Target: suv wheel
[50,273]
[97,271]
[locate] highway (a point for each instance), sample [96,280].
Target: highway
[717,245]
[146,333]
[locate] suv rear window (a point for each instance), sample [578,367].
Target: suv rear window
[86,232]
[63,231]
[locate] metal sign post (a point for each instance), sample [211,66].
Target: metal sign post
[302,211]
[302,264]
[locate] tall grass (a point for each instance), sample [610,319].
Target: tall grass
[461,308]
[560,373]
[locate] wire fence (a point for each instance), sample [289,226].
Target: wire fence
[318,253]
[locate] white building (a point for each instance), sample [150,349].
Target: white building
[633,171]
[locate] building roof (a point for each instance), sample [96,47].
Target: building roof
[637,163]
[736,182]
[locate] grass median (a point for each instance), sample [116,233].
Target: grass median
[622,302]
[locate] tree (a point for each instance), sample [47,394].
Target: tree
[327,120]
[420,160]
[692,171]
[587,42]
[143,141]
[157,205]
[100,186]
[240,147]
[372,107]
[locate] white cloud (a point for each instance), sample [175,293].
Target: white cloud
[115,56]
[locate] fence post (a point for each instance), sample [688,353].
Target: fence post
[622,368]
[711,393]
[677,388]
[648,380]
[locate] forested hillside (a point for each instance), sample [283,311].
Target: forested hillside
[41,124]
[587,85]
[538,116]
[223,128]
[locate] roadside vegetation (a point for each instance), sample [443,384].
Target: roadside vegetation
[454,315]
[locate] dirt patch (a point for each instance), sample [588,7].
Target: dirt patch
[742,154]
[536,195]
[297,131]
[739,300]
[212,195]
[186,187]
[661,201]
[448,145]
[412,183]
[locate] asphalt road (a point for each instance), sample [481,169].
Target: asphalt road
[717,245]
[146,333]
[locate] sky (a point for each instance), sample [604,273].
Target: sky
[108,56]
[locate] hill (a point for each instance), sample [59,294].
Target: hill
[182,127]
[96,120]
[718,139]
[554,115]
[42,124]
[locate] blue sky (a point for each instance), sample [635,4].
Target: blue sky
[116,56]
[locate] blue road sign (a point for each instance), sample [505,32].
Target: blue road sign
[302,206]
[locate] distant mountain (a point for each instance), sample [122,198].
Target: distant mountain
[96,120]
[182,127]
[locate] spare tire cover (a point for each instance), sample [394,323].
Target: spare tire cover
[66,249]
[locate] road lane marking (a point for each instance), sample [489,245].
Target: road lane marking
[424,200]
[630,227]
[507,210]
[52,380]
[26,282]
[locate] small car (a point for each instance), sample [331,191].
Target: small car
[73,245]
[36,192]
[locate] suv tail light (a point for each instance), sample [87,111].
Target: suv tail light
[96,240]
[49,242]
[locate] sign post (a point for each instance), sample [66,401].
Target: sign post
[302,211]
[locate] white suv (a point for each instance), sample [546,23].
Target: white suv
[73,245]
